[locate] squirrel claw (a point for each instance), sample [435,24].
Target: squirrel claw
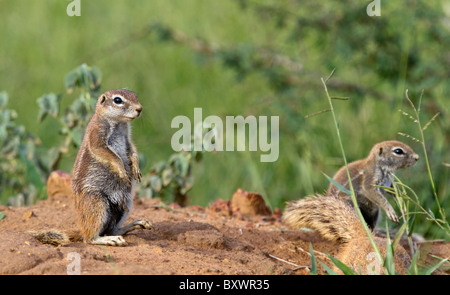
[392,215]
[138,175]
[143,224]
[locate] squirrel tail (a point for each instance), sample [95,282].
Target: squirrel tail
[57,237]
[331,216]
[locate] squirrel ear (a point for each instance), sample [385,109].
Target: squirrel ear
[102,99]
[380,151]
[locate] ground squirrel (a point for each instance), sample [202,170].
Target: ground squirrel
[333,215]
[370,173]
[336,220]
[104,174]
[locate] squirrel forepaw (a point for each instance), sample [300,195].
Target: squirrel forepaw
[137,175]
[392,215]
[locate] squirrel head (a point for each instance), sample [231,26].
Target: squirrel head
[393,155]
[119,105]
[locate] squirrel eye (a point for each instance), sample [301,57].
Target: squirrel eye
[398,151]
[118,100]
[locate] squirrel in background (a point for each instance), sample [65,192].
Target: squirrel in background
[369,174]
[333,215]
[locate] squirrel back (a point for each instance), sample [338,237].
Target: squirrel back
[331,216]
[336,220]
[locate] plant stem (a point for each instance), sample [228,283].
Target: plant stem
[355,203]
[422,141]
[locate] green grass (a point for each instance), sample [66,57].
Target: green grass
[40,44]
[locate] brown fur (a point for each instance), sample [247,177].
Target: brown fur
[335,220]
[57,237]
[373,171]
[105,171]
[330,216]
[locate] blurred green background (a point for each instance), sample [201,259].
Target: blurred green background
[247,57]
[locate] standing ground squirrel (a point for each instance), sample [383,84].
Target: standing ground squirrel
[106,169]
[104,174]
[370,173]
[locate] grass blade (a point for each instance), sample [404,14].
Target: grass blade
[313,270]
[329,270]
[346,270]
[338,185]
[413,269]
[430,270]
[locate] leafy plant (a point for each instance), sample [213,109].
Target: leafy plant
[74,119]
[21,178]
[173,179]
[441,222]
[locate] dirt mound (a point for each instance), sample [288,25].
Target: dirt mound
[192,240]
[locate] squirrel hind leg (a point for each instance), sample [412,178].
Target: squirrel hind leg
[137,224]
[93,216]
[117,239]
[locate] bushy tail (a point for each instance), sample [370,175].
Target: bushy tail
[56,237]
[331,216]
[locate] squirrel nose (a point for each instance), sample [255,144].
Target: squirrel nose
[139,109]
[416,157]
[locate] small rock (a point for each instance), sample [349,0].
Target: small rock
[250,204]
[59,184]
[28,215]
[222,206]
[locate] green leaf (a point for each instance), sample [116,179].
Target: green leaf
[2,215]
[3,99]
[96,77]
[83,76]
[72,80]
[188,184]
[183,166]
[155,183]
[48,105]
[32,175]
[413,269]
[3,133]
[313,270]
[345,269]
[399,234]
[76,136]
[167,176]
[329,270]
[389,260]
[430,270]
[338,185]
